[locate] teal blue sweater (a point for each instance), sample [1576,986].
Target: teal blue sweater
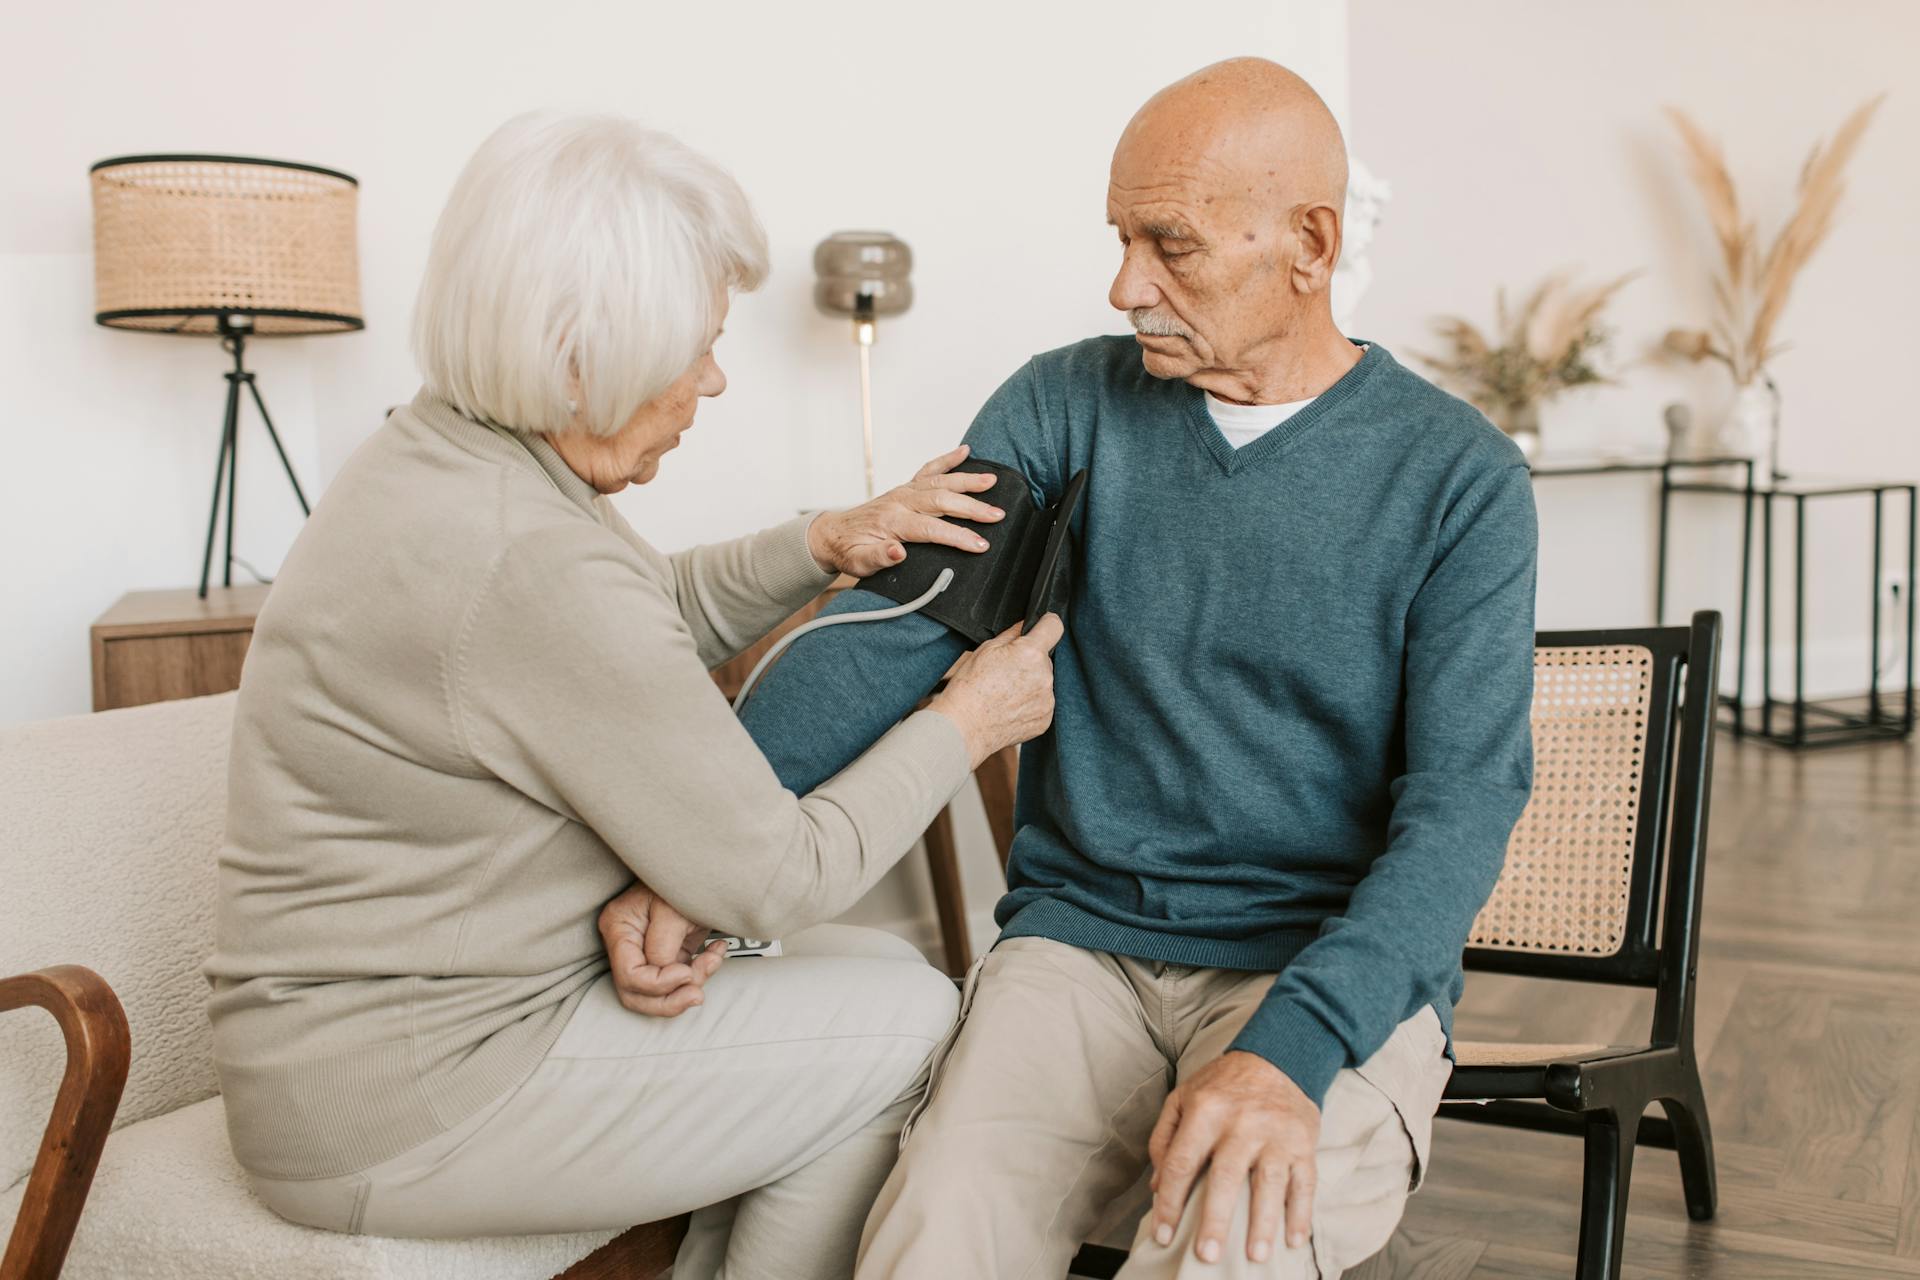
[1291,703]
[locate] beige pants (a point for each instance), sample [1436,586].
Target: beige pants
[777,1106]
[1034,1131]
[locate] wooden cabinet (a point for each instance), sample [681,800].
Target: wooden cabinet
[155,645]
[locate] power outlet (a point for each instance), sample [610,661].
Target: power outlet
[1896,608]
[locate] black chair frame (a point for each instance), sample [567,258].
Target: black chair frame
[1603,1096]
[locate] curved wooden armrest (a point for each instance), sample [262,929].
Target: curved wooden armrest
[98,1046]
[638,1253]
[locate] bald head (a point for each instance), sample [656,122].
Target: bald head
[1227,189]
[1247,119]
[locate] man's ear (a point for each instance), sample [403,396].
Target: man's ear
[1316,229]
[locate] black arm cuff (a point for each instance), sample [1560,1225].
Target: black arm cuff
[1025,572]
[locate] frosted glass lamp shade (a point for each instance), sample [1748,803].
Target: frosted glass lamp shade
[188,243]
[851,265]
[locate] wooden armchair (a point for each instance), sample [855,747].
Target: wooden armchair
[98,1048]
[111,834]
[111,830]
[95,1030]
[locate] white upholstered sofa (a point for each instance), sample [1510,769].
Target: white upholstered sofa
[109,829]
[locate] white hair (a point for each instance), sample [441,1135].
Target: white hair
[579,258]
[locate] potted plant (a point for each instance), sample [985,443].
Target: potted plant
[1751,287]
[1550,344]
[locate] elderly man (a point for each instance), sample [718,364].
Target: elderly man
[1290,743]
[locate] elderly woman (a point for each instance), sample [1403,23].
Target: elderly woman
[477,709]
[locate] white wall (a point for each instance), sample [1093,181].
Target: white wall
[1524,137]
[980,133]
[1518,138]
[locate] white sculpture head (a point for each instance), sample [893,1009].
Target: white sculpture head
[1367,196]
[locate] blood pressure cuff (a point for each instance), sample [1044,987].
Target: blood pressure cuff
[1025,572]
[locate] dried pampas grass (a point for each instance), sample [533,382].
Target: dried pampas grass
[1558,313]
[1534,354]
[1751,288]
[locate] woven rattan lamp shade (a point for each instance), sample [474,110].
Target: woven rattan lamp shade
[182,240]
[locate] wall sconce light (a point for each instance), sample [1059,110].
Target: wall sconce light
[863,275]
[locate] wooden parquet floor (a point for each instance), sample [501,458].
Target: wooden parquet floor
[1809,1036]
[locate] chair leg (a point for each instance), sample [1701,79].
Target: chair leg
[1693,1142]
[1603,1197]
[949,899]
[997,778]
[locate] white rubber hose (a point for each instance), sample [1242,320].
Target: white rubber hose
[876,615]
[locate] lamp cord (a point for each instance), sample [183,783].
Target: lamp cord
[258,577]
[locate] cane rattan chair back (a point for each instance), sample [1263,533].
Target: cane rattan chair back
[1568,880]
[1580,896]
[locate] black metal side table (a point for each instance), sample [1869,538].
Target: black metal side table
[1666,467]
[1818,723]
[1600,464]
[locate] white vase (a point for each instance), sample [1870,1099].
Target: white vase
[1522,425]
[1747,430]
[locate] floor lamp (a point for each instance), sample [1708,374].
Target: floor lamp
[229,247]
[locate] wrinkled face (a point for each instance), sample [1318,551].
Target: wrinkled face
[1201,251]
[632,454]
[658,424]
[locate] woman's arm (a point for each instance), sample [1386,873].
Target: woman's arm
[576,680]
[731,593]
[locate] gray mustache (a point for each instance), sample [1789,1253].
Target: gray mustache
[1154,325]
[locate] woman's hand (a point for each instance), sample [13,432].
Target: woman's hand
[650,945]
[865,539]
[1002,692]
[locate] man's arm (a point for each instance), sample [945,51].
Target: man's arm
[1254,1111]
[731,593]
[1469,749]
[834,693]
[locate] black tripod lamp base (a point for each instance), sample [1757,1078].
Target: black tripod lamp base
[226,471]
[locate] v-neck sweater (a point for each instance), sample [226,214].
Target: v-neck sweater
[1291,704]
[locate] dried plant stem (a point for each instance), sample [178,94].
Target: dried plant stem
[1751,288]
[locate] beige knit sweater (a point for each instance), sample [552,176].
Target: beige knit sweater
[476,707]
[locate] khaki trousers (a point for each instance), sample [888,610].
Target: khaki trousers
[1034,1131]
[774,1110]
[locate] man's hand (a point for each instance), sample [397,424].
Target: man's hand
[1238,1117]
[650,946]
